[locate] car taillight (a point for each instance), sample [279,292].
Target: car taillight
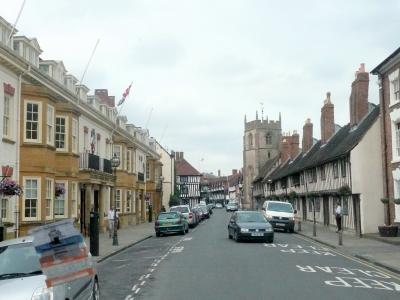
[190,215]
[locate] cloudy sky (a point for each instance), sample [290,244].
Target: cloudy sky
[198,66]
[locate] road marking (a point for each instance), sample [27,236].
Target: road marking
[121,266]
[154,265]
[151,270]
[141,278]
[178,249]
[134,287]
[147,276]
[143,282]
[384,271]
[187,239]
[120,260]
[137,291]
[129,297]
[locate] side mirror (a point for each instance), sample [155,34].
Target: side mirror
[295,211]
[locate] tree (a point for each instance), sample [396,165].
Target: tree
[175,199]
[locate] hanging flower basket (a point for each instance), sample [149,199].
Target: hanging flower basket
[385,200]
[396,201]
[59,190]
[292,195]
[9,187]
[344,191]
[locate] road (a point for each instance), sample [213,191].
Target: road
[205,264]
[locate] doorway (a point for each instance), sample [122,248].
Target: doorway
[83,212]
[326,210]
[304,206]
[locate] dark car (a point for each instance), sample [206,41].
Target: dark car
[250,225]
[204,210]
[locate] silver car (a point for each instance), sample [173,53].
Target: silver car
[21,277]
[188,213]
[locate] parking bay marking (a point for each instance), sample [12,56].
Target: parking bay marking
[299,249]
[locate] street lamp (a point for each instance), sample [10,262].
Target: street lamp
[115,162]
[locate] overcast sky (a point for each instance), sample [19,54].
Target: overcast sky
[201,65]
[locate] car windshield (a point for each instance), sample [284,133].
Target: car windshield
[182,209]
[19,260]
[250,218]
[166,216]
[280,207]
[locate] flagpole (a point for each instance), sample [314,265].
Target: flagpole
[15,23]
[118,113]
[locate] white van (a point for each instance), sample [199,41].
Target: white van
[280,214]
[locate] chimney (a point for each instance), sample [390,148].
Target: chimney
[307,135]
[219,173]
[294,145]
[285,148]
[234,172]
[359,96]
[181,155]
[327,119]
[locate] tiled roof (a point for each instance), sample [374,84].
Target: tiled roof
[266,168]
[337,146]
[183,168]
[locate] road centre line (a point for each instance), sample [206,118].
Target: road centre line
[141,278]
[147,276]
[134,287]
[143,282]
[129,297]
[137,291]
[382,270]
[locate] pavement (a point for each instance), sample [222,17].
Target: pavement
[127,237]
[369,248]
[205,264]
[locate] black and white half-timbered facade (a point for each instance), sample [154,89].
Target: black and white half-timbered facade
[187,180]
[343,167]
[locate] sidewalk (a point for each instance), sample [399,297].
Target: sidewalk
[126,237]
[376,252]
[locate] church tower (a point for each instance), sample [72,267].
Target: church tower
[261,142]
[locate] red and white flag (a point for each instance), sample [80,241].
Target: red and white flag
[124,95]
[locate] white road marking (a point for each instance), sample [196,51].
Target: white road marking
[121,266]
[188,239]
[129,297]
[120,260]
[137,291]
[143,283]
[141,278]
[134,287]
[147,276]
[151,270]
[154,265]
[178,249]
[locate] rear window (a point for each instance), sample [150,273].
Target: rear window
[166,216]
[182,209]
[280,207]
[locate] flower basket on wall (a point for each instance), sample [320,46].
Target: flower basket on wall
[10,187]
[344,191]
[59,190]
[396,201]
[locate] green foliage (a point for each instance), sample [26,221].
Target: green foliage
[174,200]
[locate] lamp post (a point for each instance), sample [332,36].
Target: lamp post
[115,162]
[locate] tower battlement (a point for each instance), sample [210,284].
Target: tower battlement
[262,124]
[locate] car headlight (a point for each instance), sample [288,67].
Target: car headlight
[269,228]
[43,293]
[268,216]
[291,218]
[244,230]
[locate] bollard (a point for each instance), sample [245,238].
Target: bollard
[299,225]
[2,233]
[340,235]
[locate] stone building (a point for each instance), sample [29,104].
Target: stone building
[261,142]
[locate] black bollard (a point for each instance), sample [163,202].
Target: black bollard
[94,233]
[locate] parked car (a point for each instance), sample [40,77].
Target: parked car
[210,208]
[21,276]
[199,213]
[218,205]
[171,222]
[204,209]
[232,206]
[187,212]
[280,214]
[250,225]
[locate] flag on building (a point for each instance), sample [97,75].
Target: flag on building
[124,95]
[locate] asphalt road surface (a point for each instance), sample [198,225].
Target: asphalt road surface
[205,264]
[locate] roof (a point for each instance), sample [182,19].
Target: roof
[377,69]
[183,168]
[266,168]
[340,144]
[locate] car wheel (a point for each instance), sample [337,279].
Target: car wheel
[229,235]
[96,290]
[183,232]
[187,230]
[158,234]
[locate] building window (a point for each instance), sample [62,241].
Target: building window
[317,205]
[50,125]
[269,155]
[32,121]
[310,176]
[394,79]
[250,139]
[322,170]
[118,200]
[74,135]
[117,153]
[49,198]
[310,205]
[128,201]
[31,198]
[85,141]
[343,167]
[59,202]
[7,114]
[147,170]
[397,130]
[314,174]
[133,198]
[335,170]
[61,133]
[74,199]
[4,210]
[129,161]
[268,139]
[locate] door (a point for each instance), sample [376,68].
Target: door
[357,215]
[83,212]
[326,210]
[304,206]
